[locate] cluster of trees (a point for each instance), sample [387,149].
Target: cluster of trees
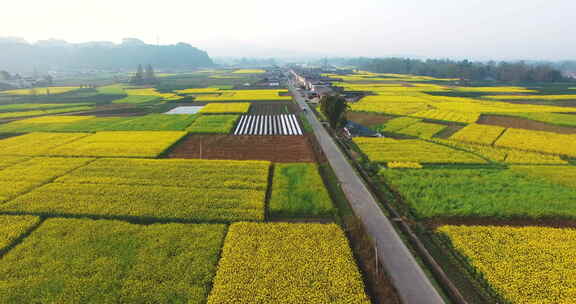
[334,108]
[20,56]
[465,70]
[144,76]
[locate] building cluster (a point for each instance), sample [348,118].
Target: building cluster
[317,85]
[273,77]
[16,81]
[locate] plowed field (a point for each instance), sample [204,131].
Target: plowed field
[240,147]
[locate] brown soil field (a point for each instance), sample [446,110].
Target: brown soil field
[116,112]
[449,131]
[523,123]
[273,108]
[368,119]
[286,149]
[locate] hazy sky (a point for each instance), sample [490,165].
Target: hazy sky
[477,29]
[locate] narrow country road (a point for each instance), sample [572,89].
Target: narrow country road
[413,286]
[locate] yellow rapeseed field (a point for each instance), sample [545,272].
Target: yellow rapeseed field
[13,227]
[69,261]
[249,71]
[287,263]
[404,165]
[200,190]
[27,175]
[521,264]
[478,134]
[121,144]
[538,141]
[152,92]
[6,161]
[189,173]
[237,107]
[245,95]
[39,143]
[397,105]
[448,115]
[409,150]
[505,155]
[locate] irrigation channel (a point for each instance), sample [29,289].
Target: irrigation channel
[284,124]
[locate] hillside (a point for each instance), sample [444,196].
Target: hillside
[18,55]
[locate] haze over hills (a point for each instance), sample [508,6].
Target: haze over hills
[19,55]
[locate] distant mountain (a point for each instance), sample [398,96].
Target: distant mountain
[19,56]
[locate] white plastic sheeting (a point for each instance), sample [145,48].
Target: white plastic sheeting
[185,110]
[284,124]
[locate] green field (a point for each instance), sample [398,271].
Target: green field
[115,89]
[38,106]
[422,129]
[481,193]
[137,99]
[150,122]
[397,124]
[44,112]
[213,124]
[298,191]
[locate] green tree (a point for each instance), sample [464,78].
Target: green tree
[138,78]
[149,76]
[334,108]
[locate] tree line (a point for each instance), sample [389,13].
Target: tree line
[465,70]
[144,76]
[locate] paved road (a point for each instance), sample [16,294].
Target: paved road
[412,284]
